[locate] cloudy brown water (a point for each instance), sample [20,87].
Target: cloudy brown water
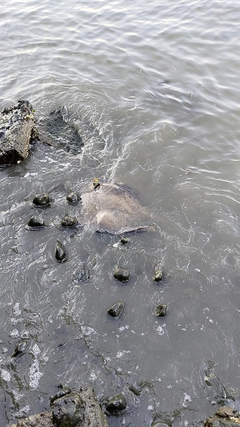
[153,88]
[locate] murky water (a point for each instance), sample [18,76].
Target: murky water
[153,89]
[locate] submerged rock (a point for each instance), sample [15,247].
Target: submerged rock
[36,221]
[16,127]
[82,273]
[121,274]
[113,208]
[116,309]
[41,199]
[60,132]
[60,253]
[76,409]
[116,403]
[69,221]
[161,310]
[68,410]
[73,197]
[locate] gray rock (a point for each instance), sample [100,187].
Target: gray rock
[116,403]
[124,240]
[121,274]
[36,221]
[59,132]
[69,410]
[161,310]
[16,128]
[60,253]
[116,309]
[224,417]
[76,409]
[158,275]
[73,197]
[69,221]
[41,200]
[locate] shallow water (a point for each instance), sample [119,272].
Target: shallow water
[154,92]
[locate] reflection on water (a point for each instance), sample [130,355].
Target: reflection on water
[152,92]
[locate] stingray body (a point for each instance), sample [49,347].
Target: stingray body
[113,208]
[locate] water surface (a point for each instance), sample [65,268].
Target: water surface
[153,89]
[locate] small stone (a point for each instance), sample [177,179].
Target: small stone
[69,221]
[158,275]
[124,240]
[69,410]
[73,197]
[116,403]
[116,309]
[36,221]
[161,310]
[60,253]
[41,199]
[121,274]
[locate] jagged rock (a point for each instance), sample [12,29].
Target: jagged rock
[16,128]
[116,403]
[116,309]
[161,310]
[41,200]
[69,221]
[60,253]
[224,417]
[121,274]
[76,409]
[57,131]
[68,410]
[36,221]
[73,197]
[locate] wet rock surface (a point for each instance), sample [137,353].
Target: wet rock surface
[161,310]
[116,309]
[121,274]
[224,417]
[158,275]
[69,221]
[75,409]
[16,130]
[68,410]
[41,200]
[60,253]
[116,403]
[57,131]
[73,197]
[36,221]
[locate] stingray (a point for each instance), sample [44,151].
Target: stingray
[113,208]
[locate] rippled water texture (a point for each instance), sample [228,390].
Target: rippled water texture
[153,89]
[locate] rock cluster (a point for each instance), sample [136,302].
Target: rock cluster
[74,409]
